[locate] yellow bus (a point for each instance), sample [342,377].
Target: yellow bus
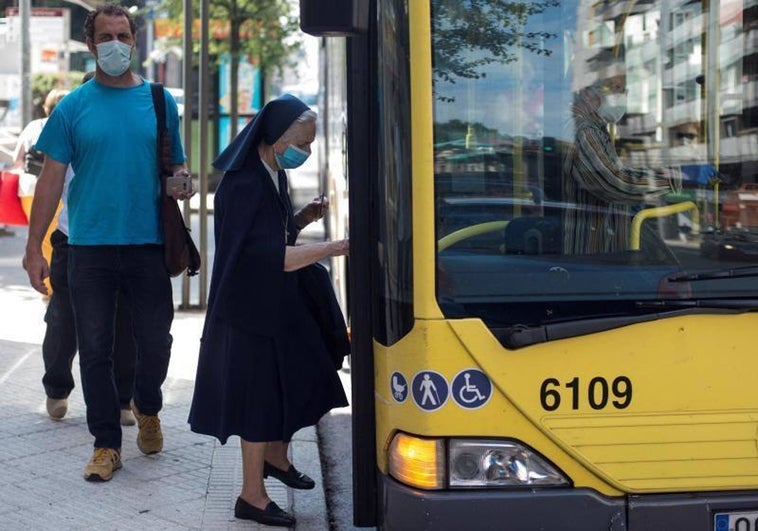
[543,337]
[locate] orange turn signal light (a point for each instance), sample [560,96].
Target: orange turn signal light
[417,462]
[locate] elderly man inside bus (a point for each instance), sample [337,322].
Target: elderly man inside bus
[603,192]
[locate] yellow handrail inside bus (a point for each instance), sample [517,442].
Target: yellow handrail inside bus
[657,212]
[469,232]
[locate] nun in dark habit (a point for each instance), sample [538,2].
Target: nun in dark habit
[263,371]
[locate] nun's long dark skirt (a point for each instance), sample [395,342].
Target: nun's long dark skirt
[264,388]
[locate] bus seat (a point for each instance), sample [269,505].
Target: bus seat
[533,235]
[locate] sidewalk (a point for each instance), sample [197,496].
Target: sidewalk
[192,484]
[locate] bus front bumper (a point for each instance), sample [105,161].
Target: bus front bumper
[569,509]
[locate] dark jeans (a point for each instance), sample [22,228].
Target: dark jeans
[59,345]
[96,275]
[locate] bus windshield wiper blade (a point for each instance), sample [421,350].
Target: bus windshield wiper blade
[519,336]
[720,304]
[740,272]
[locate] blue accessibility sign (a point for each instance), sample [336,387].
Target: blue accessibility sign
[471,388]
[429,390]
[399,387]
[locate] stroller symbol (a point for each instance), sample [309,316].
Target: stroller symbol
[399,387]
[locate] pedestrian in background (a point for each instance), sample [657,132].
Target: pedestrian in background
[27,161]
[25,156]
[264,371]
[107,130]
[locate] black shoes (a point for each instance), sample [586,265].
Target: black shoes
[271,515]
[292,477]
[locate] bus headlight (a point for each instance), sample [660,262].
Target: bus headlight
[491,463]
[471,463]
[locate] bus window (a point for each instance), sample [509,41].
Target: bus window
[586,154]
[394,314]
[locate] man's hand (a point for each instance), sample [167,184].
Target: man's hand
[37,269]
[181,195]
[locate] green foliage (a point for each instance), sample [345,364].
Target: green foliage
[42,84]
[471,34]
[260,30]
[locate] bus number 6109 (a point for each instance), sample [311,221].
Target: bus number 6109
[598,393]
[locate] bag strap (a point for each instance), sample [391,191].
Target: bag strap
[159,105]
[162,149]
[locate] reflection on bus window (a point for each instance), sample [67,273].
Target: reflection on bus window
[589,151]
[595,177]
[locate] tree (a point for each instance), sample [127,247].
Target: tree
[259,30]
[42,84]
[471,34]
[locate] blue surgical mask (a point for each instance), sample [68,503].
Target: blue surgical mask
[114,57]
[291,158]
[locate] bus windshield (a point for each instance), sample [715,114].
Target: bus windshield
[594,159]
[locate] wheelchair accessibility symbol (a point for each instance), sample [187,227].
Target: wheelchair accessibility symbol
[429,390]
[399,387]
[471,389]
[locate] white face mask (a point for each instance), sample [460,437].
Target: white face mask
[612,108]
[114,57]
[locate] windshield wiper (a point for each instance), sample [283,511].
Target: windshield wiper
[740,272]
[519,336]
[719,304]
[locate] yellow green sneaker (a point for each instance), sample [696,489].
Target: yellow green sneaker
[104,462]
[150,437]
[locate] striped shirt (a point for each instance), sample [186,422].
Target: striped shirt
[606,194]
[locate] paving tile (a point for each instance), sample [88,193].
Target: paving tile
[192,484]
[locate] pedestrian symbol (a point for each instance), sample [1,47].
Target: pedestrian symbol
[399,387]
[429,390]
[471,388]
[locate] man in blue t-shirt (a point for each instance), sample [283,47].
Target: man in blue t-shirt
[107,131]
